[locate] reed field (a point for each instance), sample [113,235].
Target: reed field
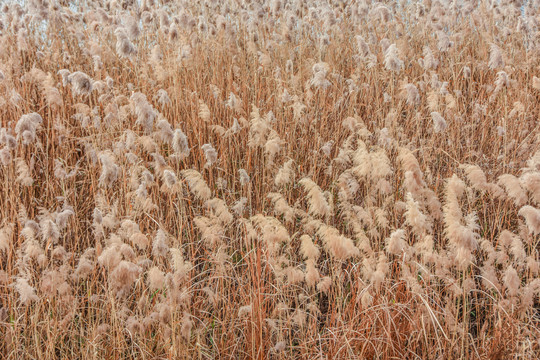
[249,179]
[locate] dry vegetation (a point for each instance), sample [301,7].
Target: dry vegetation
[281,179]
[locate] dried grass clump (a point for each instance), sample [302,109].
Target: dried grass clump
[269,179]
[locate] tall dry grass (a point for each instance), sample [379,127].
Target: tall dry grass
[284,179]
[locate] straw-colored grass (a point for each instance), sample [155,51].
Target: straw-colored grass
[282,179]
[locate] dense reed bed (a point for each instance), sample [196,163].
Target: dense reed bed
[269,179]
